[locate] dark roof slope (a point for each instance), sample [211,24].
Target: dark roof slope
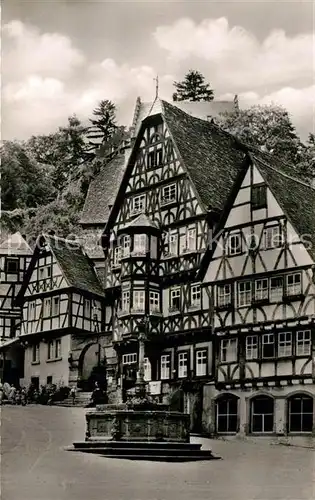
[75,265]
[296,199]
[212,157]
[102,191]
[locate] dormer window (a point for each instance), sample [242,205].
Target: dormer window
[259,196]
[140,244]
[168,194]
[138,204]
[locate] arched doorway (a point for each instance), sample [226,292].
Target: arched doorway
[226,414]
[261,414]
[300,413]
[91,368]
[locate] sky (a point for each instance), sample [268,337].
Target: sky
[61,57]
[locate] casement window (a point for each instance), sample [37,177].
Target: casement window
[234,244]
[285,344]
[226,414]
[35,353]
[303,343]
[175,301]
[262,414]
[140,244]
[51,352]
[129,359]
[195,296]
[201,362]
[32,308]
[47,308]
[117,256]
[138,204]
[154,301]
[138,300]
[56,306]
[58,348]
[261,289]
[147,370]
[224,295]
[168,194]
[259,196]
[300,413]
[293,284]
[272,237]
[276,289]
[187,242]
[252,347]
[228,352]
[155,157]
[182,364]
[173,243]
[87,308]
[165,366]
[268,345]
[44,272]
[125,246]
[244,293]
[125,301]
[12,266]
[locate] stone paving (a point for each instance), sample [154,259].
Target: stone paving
[34,466]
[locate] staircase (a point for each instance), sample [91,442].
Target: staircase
[81,400]
[153,451]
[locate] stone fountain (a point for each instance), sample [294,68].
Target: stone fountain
[140,429]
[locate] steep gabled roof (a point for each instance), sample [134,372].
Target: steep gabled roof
[77,268]
[296,199]
[212,157]
[142,221]
[102,191]
[15,244]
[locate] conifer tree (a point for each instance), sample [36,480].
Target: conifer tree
[193,88]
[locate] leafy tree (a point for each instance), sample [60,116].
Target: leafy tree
[103,124]
[193,88]
[62,153]
[306,166]
[270,128]
[24,182]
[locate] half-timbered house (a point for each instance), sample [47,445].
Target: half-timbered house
[156,234]
[15,255]
[63,313]
[259,269]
